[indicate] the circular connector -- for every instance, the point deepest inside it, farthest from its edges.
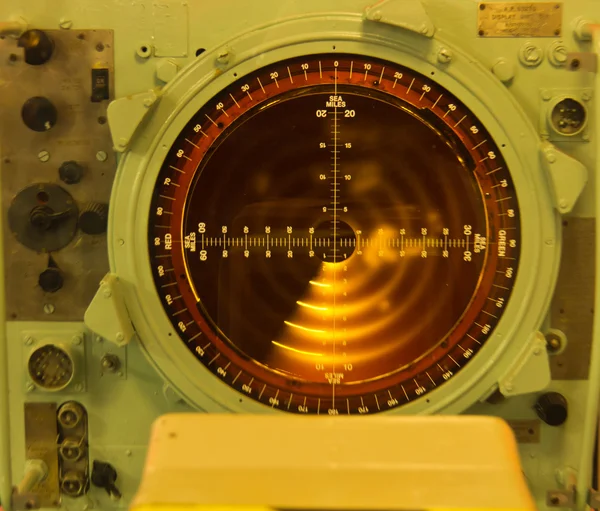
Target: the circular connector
(70, 414)
(568, 116)
(70, 449)
(72, 483)
(51, 367)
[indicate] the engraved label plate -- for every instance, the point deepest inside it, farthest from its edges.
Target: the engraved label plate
(520, 19)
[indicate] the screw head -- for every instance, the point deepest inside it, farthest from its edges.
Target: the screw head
(76, 340)
(107, 293)
(444, 56)
(28, 340)
(44, 156)
(30, 387)
(101, 156)
(120, 336)
(223, 57)
(78, 387)
(49, 308)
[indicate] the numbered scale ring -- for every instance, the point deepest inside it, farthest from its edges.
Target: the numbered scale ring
(334, 233)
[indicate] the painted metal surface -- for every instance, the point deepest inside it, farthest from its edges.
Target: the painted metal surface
(237, 39)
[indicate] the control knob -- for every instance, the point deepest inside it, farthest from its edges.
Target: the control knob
(552, 408)
(94, 218)
(37, 45)
(70, 172)
(51, 280)
(39, 114)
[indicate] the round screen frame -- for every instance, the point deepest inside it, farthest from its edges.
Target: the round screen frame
(197, 84)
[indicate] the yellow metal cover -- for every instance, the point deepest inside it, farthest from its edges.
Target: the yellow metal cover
(255, 463)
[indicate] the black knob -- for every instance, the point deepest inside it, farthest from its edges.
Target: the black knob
(37, 45)
(104, 476)
(70, 172)
(39, 114)
(94, 218)
(51, 280)
(552, 408)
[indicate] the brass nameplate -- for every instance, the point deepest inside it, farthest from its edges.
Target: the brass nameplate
(520, 19)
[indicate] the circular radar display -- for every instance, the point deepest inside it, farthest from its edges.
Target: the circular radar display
(334, 234)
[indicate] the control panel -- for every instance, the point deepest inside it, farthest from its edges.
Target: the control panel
(330, 208)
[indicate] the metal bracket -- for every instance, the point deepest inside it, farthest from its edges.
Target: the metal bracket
(582, 61)
(407, 14)
(126, 114)
(593, 499)
(107, 315)
(568, 175)
(26, 501)
(566, 496)
(561, 498)
(531, 372)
